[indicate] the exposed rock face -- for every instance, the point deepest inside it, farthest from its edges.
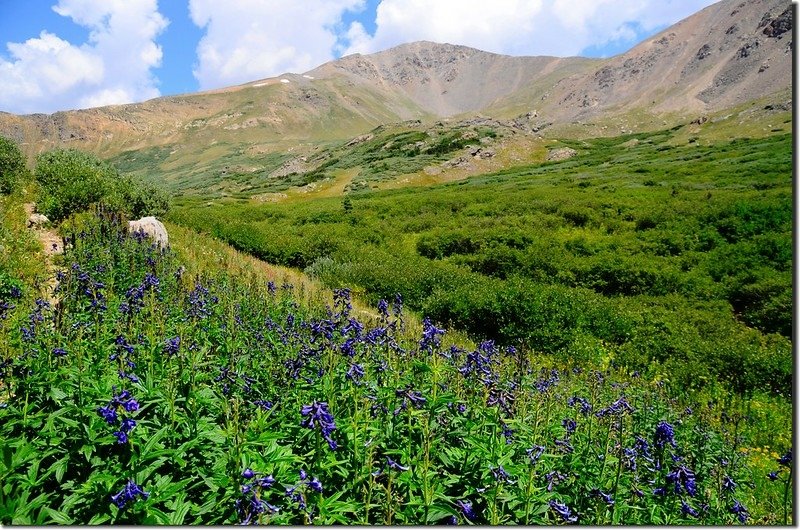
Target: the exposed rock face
(37, 220)
(562, 153)
(779, 25)
(151, 227)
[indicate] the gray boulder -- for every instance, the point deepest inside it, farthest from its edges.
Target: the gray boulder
(151, 227)
(37, 220)
(562, 153)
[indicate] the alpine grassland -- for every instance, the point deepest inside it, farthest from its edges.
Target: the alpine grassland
(601, 340)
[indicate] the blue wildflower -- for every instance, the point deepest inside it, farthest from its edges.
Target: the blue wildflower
(607, 498)
(688, 510)
(728, 484)
(171, 346)
(395, 465)
(128, 494)
(664, 434)
(563, 511)
(466, 508)
(740, 511)
(317, 413)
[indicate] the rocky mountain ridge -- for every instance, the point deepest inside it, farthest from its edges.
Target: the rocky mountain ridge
(728, 53)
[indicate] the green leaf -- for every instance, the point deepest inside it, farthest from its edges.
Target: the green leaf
(181, 510)
(87, 451)
(58, 517)
(156, 517)
(99, 518)
(60, 468)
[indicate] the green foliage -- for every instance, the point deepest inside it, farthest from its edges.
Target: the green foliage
(528, 256)
(155, 396)
(72, 181)
(13, 172)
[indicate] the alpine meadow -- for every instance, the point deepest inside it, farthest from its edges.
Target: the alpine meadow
(429, 285)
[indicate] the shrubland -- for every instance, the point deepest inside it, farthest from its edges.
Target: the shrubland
(670, 259)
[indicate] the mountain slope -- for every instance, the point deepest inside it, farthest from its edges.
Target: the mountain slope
(727, 54)
(445, 79)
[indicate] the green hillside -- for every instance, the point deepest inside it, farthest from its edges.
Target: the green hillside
(653, 255)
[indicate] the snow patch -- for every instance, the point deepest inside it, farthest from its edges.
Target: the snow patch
(285, 80)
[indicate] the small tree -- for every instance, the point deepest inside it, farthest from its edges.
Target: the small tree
(12, 166)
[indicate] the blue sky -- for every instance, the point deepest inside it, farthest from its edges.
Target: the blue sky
(66, 54)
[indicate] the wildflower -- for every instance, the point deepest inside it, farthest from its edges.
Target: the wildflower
(431, 336)
(171, 346)
(383, 308)
(728, 484)
(501, 475)
(740, 511)
(59, 352)
(108, 413)
(127, 425)
(688, 510)
(248, 473)
(317, 413)
(630, 458)
(395, 465)
(128, 494)
(773, 476)
(569, 425)
(586, 407)
(565, 445)
(664, 434)
(553, 478)
(563, 511)
(508, 433)
(620, 406)
(466, 508)
(534, 453)
(122, 437)
(786, 460)
(684, 477)
(355, 372)
(265, 482)
(607, 498)
(397, 305)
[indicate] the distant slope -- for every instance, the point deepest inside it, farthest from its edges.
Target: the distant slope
(444, 79)
(230, 139)
(726, 54)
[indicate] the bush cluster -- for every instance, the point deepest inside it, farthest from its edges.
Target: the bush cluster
(72, 181)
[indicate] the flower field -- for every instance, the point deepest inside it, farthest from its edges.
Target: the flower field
(143, 394)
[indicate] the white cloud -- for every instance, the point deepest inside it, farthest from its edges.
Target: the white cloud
(518, 27)
(48, 73)
(251, 39)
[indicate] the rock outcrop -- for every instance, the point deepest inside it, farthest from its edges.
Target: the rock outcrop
(563, 153)
(37, 220)
(151, 227)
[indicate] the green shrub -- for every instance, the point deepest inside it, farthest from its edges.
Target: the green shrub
(72, 181)
(12, 167)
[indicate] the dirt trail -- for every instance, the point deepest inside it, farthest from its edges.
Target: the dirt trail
(52, 245)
